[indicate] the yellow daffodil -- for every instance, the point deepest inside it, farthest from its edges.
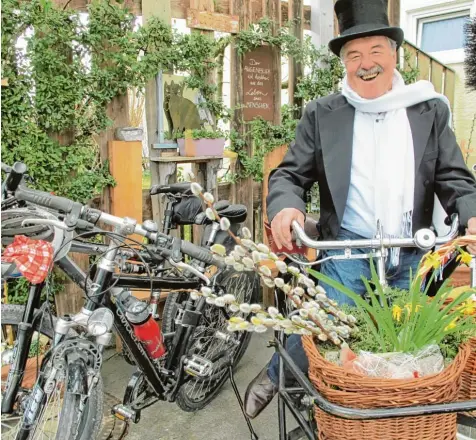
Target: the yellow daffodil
(464, 257)
(451, 325)
(408, 308)
(469, 307)
(397, 313)
(432, 261)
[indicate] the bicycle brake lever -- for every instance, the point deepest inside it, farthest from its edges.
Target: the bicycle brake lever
(45, 221)
(185, 266)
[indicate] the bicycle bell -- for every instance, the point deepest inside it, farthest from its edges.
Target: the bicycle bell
(425, 238)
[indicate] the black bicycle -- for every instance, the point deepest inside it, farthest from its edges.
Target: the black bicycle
(66, 401)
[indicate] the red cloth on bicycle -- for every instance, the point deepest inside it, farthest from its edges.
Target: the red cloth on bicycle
(33, 258)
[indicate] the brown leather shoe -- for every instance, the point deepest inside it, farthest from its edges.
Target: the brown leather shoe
(259, 393)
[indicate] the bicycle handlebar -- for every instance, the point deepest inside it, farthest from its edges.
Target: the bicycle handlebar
(91, 215)
(423, 239)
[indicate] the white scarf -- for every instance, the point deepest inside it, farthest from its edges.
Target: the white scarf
(395, 162)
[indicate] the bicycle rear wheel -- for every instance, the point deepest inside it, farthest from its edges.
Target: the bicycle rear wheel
(199, 392)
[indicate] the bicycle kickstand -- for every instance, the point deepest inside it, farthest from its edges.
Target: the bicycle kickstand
(240, 402)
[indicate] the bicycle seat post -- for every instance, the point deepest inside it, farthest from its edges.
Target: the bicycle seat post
(167, 221)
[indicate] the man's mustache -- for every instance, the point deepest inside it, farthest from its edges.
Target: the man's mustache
(372, 71)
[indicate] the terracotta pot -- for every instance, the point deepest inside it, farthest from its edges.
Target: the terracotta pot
(461, 276)
(29, 377)
(201, 147)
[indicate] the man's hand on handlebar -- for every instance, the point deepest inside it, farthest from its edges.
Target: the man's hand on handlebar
(281, 226)
(471, 230)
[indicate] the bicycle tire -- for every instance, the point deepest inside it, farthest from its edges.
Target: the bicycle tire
(88, 427)
(184, 397)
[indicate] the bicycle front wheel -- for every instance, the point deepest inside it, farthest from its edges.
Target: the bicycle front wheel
(63, 415)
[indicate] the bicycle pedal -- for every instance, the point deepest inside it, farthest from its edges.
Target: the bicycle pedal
(198, 366)
(125, 413)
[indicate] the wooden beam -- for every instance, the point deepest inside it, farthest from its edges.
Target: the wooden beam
(82, 5)
(179, 10)
(212, 21)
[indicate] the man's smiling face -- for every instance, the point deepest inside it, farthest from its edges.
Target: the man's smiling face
(369, 63)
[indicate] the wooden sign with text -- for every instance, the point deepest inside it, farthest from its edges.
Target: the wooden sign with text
(212, 21)
(258, 84)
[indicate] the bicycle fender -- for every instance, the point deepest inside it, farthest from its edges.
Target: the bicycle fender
(77, 378)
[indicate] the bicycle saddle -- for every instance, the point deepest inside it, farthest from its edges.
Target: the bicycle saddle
(234, 213)
(173, 188)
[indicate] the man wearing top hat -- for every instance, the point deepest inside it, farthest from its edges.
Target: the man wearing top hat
(380, 150)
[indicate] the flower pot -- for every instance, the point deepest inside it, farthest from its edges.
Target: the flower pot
(29, 378)
(201, 147)
(358, 391)
(461, 276)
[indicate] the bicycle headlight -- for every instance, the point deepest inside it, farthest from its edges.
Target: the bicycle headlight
(100, 322)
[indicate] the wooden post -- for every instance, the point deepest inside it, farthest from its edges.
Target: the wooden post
(296, 14)
(243, 188)
(394, 12)
(72, 298)
(271, 9)
(126, 196)
(208, 6)
(163, 10)
(118, 111)
(322, 22)
(336, 22)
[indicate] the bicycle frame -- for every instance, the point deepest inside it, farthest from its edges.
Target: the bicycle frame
(121, 324)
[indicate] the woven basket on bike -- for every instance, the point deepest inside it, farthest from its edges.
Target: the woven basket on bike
(468, 378)
(358, 391)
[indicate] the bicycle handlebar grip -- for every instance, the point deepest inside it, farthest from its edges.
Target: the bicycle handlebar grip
(15, 176)
(200, 254)
(47, 200)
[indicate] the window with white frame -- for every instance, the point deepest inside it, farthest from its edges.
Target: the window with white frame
(437, 26)
(442, 32)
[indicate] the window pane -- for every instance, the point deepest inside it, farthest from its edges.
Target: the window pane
(444, 34)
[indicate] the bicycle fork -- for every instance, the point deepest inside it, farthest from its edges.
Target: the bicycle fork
(21, 349)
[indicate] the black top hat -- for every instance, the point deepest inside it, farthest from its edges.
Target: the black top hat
(362, 18)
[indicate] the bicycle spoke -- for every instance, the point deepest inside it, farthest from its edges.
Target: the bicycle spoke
(207, 345)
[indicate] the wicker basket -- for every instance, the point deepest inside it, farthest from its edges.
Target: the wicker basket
(468, 378)
(358, 391)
